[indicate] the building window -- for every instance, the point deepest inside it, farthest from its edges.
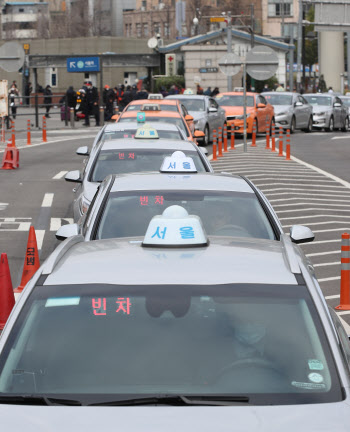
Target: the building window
(166, 30)
(145, 30)
(275, 8)
(156, 28)
(144, 4)
(138, 30)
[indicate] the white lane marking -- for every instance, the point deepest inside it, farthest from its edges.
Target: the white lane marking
(56, 223)
(313, 223)
(279, 175)
(298, 189)
(39, 238)
(3, 206)
(48, 199)
(345, 324)
(329, 279)
(322, 242)
(340, 195)
(344, 313)
(327, 174)
(60, 175)
(307, 183)
(308, 203)
(323, 253)
(292, 211)
(327, 264)
(331, 230)
(340, 137)
(282, 177)
(49, 142)
(17, 226)
(330, 297)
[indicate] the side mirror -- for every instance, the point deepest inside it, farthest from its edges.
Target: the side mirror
(261, 105)
(301, 234)
(188, 118)
(298, 104)
(212, 109)
(66, 231)
(115, 116)
(337, 105)
(199, 134)
(83, 151)
(73, 176)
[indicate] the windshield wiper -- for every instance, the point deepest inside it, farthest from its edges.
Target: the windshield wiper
(178, 400)
(36, 400)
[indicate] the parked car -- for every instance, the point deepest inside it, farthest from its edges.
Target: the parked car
(207, 114)
(292, 111)
(329, 112)
(259, 110)
(346, 102)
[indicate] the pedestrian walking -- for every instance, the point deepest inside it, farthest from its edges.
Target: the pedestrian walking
(14, 99)
(91, 105)
(215, 92)
(47, 100)
(126, 98)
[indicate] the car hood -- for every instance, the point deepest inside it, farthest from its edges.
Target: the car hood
(236, 110)
(320, 108)
(311, 418)
(281, 108)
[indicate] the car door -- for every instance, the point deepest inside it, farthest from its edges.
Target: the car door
(262, 113)
(301, 112)
(214, 119)
(337, 110)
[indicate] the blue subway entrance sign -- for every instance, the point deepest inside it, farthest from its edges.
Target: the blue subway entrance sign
(83, 64)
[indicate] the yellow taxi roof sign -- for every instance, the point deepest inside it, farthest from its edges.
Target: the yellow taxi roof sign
(146, 132)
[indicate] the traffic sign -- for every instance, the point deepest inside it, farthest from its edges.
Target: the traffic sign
(261, 62)
(11, 56)
(83, 64)
(170, 64)
(230, 64)
(217, 19)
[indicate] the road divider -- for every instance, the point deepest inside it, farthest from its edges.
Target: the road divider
(267, 135)
(214, 146)
(220, 142)
(254, 134)
(273, 138)
(280, 142)
(7, 297)
(44, 129)
(232, 138)
(29, 140)
(225, 138)
(344, 273)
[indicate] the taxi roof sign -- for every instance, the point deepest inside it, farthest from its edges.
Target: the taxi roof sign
(178, 162)
(188, 91)
(150, 107)
(175, 228)
(140, 117)
(146, 132)
(155, 96)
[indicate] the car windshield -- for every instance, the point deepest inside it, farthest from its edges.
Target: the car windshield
(130, 133)
(193, 104)
(96, 342)
(177, 121)
(318, 100)
(279, 99)
(235, 214)
(227, 100)
(134, 160)
(163, 107)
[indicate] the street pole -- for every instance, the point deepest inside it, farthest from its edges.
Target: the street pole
(348, 57)
(229, 47)
(300, 27)
(244, 108)
(291, 62)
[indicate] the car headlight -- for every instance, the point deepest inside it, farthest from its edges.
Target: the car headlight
(84, 205)
(241, 117)
(282, 113)
(321, 113)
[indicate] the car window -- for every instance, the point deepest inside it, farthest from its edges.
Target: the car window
(300, 99)
(129, 160)
(303, 100)
(213, 104)
(346, 101)
(163, 107)
(237, 100)
(184, 110)
(130, 133)
(173, 120)
(96, 341)
(222, 214)
(262, 99)
(337, 100)
(279, 99)
(319, 100)
(193, 104)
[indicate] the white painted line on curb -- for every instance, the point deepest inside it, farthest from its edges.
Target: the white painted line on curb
(39, 238)
(329, 279)
(327, 264)
(323, 253)
(332, 297)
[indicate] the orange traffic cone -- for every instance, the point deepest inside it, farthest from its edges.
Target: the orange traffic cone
(7, 298)
(10, 159)
(31, 260)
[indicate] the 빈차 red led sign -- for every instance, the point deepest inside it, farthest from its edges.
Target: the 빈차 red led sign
(99, 305)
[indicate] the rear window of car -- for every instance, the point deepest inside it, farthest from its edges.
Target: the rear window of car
(277, 99)
(233, 101)
(129, 160)
(318, 100)
(127, 214)
(95, 342)
(194, 104)
(177, 121)
(130, 133)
